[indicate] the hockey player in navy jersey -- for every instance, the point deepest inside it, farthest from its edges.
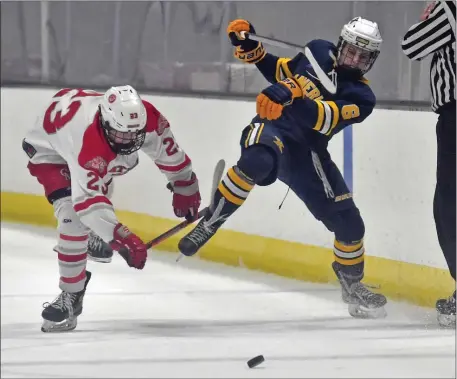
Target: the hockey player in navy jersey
(288, 139)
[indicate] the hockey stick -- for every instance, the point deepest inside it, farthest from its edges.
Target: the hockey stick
(217, 176)
(321, 75)
(175, 229)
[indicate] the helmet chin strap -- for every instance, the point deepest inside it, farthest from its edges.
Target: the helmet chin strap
(110, 143)
(349, 72)
(105, 131)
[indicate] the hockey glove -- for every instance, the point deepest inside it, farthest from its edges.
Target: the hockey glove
(186, 197)
(129, 246)
(272, 100)
(247, 50)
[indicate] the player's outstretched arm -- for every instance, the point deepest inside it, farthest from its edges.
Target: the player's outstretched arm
(161, 146)
(95, 210)
(433, 31)
(272, 67)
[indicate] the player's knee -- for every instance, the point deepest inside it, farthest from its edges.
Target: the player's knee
(352, 227)
(257, 162)
(347, 225)
(68, 222)
(55, 179)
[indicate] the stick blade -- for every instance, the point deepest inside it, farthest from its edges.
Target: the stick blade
(323, 78)
(217, 177)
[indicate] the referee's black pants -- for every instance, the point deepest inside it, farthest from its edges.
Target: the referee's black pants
(444, 205)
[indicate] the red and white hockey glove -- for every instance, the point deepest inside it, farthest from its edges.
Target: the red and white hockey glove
(129, 246)
(186, 197)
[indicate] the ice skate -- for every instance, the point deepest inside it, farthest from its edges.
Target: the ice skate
(202, 233)
(98, 250)
(362, 303)
(446, 312)
(62, 314)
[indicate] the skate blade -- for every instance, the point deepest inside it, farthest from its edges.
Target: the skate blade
(359, 311)
(99, 260)
(58, 327)
(446, 321)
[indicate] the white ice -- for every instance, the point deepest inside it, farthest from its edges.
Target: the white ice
(201, 319)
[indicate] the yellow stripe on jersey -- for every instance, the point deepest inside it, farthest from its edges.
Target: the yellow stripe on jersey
(282, 68)
(235, 178)
(285, 67)
(320, 116)
(335, 116)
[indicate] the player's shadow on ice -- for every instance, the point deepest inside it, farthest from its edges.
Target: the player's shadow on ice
(150, 328)
(276, 282)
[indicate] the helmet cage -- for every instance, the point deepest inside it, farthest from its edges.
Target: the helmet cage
(122, 143)
(347, 52)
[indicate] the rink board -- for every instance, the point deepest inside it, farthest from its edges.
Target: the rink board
(399, 280)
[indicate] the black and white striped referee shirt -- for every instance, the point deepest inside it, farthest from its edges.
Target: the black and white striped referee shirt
(436, 35)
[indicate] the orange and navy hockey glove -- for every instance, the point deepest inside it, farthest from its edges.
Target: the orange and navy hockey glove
(272, 100)
(247, 50)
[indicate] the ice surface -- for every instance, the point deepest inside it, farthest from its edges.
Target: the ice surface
(201, 319)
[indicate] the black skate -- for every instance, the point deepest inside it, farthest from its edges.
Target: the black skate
(362, 303)
(202, 233)
(98, 250)
(61, 315)
(446, 312)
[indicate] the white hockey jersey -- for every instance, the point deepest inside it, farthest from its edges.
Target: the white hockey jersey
(69, 133)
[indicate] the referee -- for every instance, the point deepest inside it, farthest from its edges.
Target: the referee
(435, 34)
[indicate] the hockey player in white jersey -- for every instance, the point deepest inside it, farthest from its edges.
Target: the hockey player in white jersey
(76, 147)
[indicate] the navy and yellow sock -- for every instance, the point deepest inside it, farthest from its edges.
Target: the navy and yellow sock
(350, 259)
(234, 188)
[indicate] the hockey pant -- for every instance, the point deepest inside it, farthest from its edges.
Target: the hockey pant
(267, 156)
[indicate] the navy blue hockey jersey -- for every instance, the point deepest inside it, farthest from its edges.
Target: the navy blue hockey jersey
(318, 115)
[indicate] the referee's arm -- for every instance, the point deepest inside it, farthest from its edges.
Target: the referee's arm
(431, 34)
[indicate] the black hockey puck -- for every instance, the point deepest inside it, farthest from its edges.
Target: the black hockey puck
(255, 361)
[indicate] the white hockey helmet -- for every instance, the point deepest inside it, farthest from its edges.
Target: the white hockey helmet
(123, 119)
(359, 45)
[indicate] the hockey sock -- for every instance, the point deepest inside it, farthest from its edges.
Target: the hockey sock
(349, 258)
(233, 190)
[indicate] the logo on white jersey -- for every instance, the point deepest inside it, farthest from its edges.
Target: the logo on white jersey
(65, 172)
(162, 124)
(98, 163)
(119, 170)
